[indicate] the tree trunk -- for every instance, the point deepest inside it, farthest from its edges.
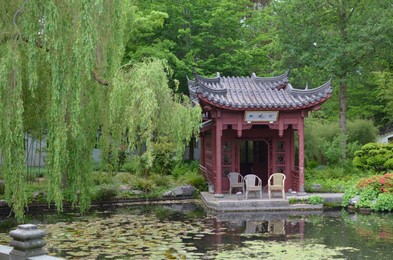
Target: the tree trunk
(191, 150)
(343, 116)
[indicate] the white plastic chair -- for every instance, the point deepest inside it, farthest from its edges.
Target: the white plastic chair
(253, 184)
(236, 180)
(276, 182)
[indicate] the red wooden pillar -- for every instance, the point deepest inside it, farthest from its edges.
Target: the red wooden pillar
(300, 132)
(291, 158)
(202, 149)
(218, 190)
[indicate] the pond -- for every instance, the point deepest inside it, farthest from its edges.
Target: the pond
(186, 231)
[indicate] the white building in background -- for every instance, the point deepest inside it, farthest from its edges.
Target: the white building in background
(35, 152)
(385, 138)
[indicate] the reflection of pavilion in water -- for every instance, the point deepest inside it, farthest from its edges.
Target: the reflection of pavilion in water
(256, 226)
(274, 227)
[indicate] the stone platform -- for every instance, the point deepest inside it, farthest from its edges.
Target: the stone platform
(238, 203)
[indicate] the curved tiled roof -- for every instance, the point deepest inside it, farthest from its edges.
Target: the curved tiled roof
(262, 93)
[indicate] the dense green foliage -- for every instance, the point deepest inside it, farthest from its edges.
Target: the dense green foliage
(375, 157)
(322, 140)
(130, 183)
(341, 39)
(331, 179)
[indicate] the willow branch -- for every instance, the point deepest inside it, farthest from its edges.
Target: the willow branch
(97, 78)
(18, 12)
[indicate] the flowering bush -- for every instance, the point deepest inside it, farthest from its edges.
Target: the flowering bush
(374, 192)
(379, 183)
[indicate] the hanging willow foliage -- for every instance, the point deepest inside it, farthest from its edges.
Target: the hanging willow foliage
(151, 110)
(56, 58)
(11, 128)
(60, 64)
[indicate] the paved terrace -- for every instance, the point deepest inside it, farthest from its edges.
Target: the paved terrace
(238, 203)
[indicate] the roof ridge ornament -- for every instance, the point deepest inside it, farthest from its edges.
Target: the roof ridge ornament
(283, 78)
(210, 85)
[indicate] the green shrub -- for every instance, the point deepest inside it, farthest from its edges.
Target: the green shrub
(189, 174)
(332, 150)
(161, 181)
(104, 192)
(373, 156)
(315, 133)
(125, 178)
(389, 164)
(367, 198)
(198, 182)
(323, 140)
(163, 152)
(384, 202)
(312, 164)
(374, 192)
(182, 169)
(331, 179)
(144, 184)
(130, 166)
(102, 178)
(361, 131)
(350, 193)
(315, 200)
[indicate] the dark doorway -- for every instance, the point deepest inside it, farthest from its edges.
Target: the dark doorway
(254, 159)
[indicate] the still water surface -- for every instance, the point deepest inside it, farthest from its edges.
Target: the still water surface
(187, 232)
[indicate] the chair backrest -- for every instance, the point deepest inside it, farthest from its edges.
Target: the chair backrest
(278, 179)
(235, 177)
(252, 180)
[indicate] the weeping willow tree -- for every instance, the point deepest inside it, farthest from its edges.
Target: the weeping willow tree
(60, 64)
(57, 62)
(151, 110)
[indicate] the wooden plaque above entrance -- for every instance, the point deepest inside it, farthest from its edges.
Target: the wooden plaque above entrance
(260, 116)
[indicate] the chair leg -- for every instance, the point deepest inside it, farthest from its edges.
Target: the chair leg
(270, 195)
(230, 190)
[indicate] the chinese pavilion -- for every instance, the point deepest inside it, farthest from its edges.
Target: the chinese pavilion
(249, 126)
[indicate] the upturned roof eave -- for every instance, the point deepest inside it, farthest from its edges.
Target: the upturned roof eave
(326, 86)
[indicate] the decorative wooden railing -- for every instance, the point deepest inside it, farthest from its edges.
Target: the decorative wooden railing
(295, 178)
(207, 173)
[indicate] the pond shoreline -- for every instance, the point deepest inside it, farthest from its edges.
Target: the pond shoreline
(41, 208)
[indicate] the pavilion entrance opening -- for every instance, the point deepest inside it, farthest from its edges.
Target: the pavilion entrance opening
(254, 158)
